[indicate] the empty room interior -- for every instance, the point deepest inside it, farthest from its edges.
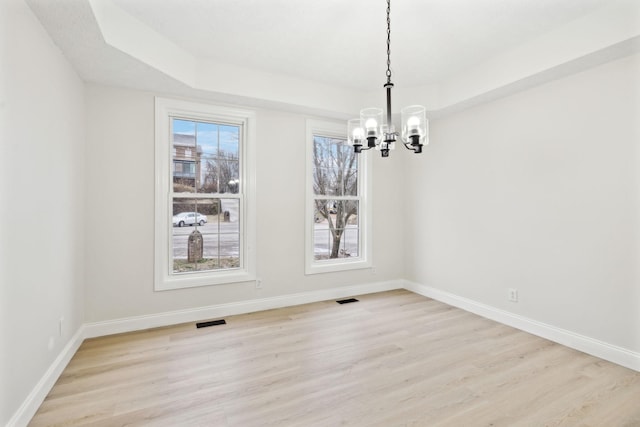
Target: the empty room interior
(320, 213)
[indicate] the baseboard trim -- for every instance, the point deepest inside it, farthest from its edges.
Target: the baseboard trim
(30, 406)
(136, 323)
(601, 349)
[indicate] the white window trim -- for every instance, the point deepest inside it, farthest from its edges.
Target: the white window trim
(364, 260)
(163, 278)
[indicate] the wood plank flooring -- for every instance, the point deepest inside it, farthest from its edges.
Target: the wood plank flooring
(391, 359)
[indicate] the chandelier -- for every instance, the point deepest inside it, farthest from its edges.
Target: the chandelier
(369, 131)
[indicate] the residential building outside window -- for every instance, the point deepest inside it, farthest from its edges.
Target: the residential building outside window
(338, 202)
(204, 199)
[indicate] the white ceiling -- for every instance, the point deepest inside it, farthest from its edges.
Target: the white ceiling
(343, 42)
(335, 42)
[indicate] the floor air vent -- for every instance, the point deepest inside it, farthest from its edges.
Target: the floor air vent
(346, 301)
(211, 323)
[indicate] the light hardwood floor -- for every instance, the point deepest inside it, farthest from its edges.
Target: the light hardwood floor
(392, 359)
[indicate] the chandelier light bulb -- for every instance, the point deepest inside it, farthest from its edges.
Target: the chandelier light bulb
(415, 125)
(355, 134)
(371, 118)
(413, 122)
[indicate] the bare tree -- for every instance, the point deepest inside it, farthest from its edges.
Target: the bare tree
(210, 182)
(220, 173)
(335, 174)
(229, 170)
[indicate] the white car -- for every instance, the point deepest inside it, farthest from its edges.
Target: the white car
(188, 218)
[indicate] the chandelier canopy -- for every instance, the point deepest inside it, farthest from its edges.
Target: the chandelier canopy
(369, 131)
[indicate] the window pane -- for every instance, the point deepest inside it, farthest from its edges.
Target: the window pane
(229, 137)
(191, 222)
(229, 233)
(205, 157)
(335, 229)
(220, 158)
(321, 241)
(208, 143)
(229, 250)
(209, 174)
(229, 218)
(184, 156)
(217, 223)
(350, 241)
(221, 175)
(229, 173)
(334, 167)
(350, 180)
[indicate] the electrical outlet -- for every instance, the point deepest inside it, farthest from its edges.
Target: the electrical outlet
(258, 283)
(513, 295)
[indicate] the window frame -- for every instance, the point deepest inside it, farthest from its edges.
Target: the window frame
(165, 110)
(364, 258)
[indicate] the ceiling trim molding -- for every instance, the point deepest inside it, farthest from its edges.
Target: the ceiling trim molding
(606, 34)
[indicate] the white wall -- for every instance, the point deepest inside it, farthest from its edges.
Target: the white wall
(120, 231)
(41, 244)
(540, 192)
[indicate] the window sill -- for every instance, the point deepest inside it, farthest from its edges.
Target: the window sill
(192, 280)
(335, 266)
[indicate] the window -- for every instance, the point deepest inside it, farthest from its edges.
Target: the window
(204, 198)
(338, 207)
